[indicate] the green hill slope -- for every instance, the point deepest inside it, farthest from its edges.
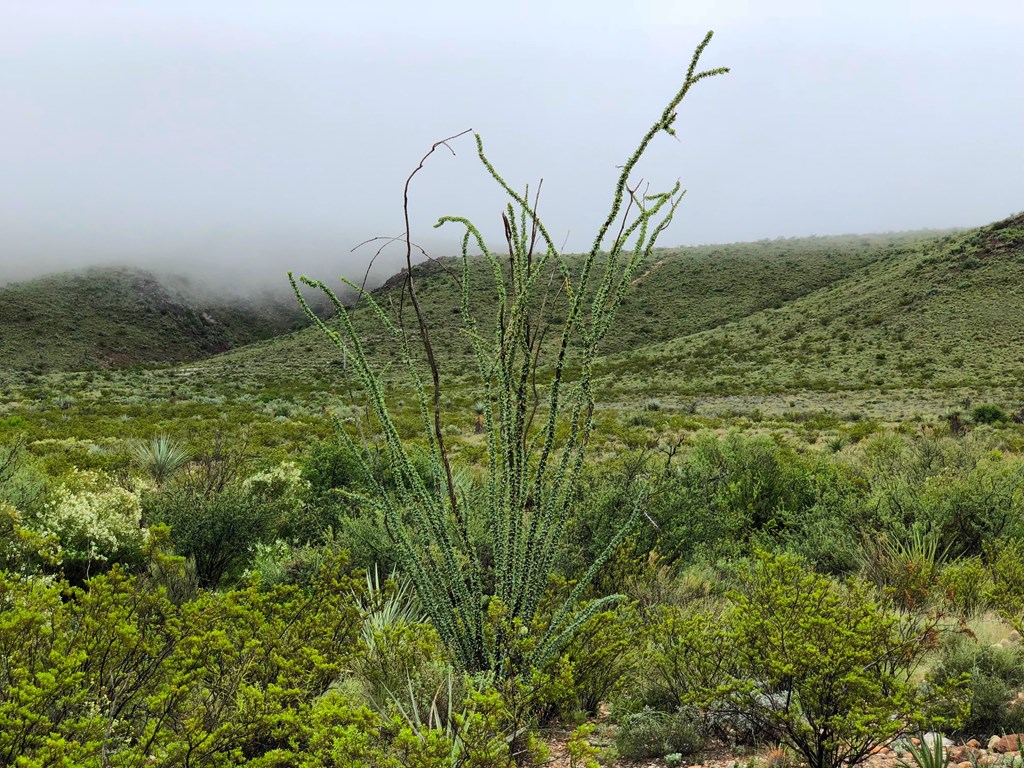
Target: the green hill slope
(941, 315)
(119, 317)
(677, 293)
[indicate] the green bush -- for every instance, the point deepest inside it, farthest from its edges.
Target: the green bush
(819, 665)
(727, 493)
(996, 675)
(965, 586)
(219, 525)
(989, 413)
(603, 656)
(1006, 564)
(652, 734)
(686, 658)
(113, 673)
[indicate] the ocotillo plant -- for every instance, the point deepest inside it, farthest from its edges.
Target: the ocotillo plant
(532, 471)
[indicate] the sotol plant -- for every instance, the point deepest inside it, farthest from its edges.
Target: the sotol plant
(535, 442)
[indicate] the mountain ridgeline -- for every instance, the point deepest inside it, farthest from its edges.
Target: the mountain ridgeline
(122, 317)
(678, 294)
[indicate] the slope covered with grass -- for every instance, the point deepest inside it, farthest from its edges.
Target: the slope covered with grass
(121, 317)
(939, 314)
(678, 292)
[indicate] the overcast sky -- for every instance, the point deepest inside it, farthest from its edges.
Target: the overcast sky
(253, 137)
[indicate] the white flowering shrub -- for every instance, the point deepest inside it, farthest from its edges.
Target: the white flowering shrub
(96, 522)
(284, 481)
(284, 488)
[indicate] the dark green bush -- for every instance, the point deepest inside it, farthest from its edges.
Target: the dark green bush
(1006, 564)
(219, 526)
(989, 413)
(965, 586)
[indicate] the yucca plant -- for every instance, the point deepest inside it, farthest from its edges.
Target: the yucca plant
(536, 434)
(382, 608)
(161, 457)
(909, 567)
(930, 753)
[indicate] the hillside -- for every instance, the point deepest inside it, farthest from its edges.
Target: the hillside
(941, 315)
(120, 317)
(677, 293)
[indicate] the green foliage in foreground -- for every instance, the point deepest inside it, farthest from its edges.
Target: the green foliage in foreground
(802, 660)
(115, 674)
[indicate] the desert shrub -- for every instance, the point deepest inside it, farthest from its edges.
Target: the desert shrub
(96, 523)
(825, 535)
(603, 655)
(23, 549)
(687, 657)
(652, 734)
(219, 525)
(282, 562)
(22, 484)
(1006, 564)
(115, 674)
(969, 506)
(965, 586)
(219, 531)
(995, 675)
(819, 665)
(660, 585)
(989, 413)
(729, 492)
(282, 487)
(330, 468)
(336, 731)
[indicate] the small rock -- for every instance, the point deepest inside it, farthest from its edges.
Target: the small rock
(974, 744)
(992, 743)
(916, 742)
(1010, 743)
(957, 754)
(964, 764)
(930, 737)
(1014, 637)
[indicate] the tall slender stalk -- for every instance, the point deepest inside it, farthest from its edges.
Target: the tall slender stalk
(533, 473)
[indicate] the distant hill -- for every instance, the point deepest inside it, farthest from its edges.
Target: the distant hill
(121, 317)
(942, 314)
(677, 293)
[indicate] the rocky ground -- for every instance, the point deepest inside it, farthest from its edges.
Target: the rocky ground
(1002, 751)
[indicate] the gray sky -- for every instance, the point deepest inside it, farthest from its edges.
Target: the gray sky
(258, 136)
